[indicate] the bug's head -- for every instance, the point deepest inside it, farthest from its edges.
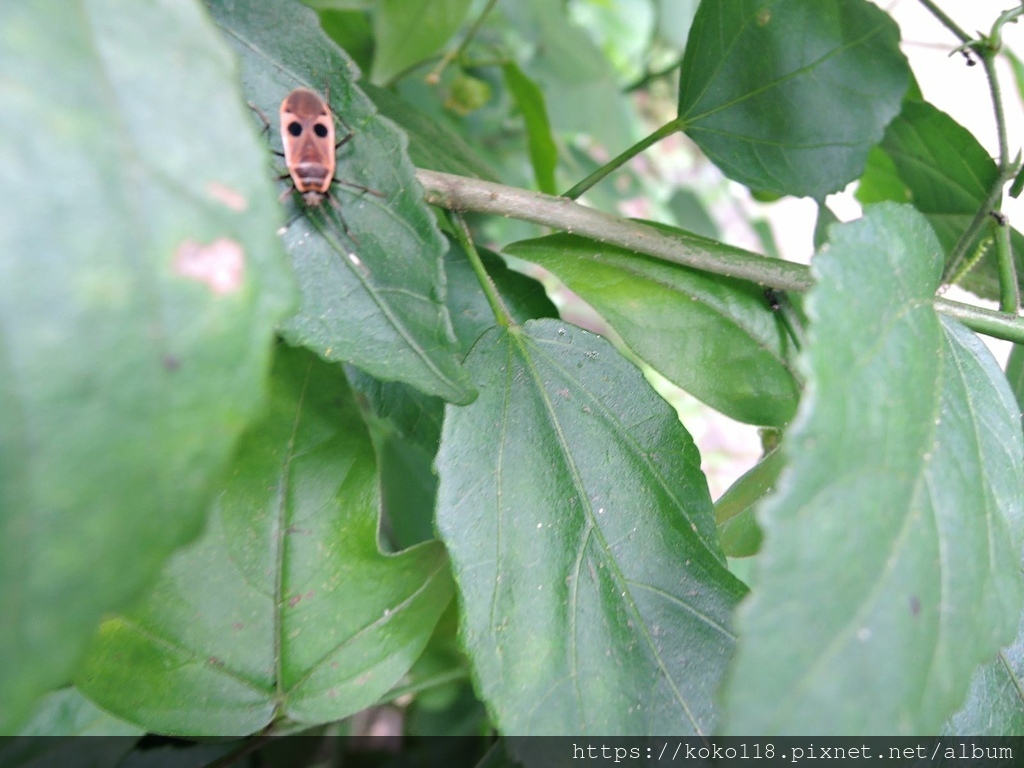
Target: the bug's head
(305, 117)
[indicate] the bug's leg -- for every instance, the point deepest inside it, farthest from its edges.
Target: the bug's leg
(341, 217)
(374, 192)
(262, 117)
(266, 124)
(349, 133)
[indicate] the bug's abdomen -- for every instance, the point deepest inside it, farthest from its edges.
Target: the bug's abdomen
(311, 176)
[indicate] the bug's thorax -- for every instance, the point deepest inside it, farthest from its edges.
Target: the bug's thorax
(307, 134)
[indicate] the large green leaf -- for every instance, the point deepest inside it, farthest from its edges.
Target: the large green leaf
(890, 563)
(285, 608)
(405, 425)
(409, 31)
(375, 299)
(140, 284)
(594, 593)
(995, 701)
(946, 174)
(788, 96)
(715, 337)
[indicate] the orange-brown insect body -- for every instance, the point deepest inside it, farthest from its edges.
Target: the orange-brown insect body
(307, 134)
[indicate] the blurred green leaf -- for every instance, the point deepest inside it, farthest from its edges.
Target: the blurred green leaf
(340, 5)
(135, 321)
(352, 31)
(713, 336)
(530, 100)
(893, 539)
(594, 593)
(285, 608)
(789, 96)
(375, 299)
(674, 19)
(581, 90)
(690, 214)
(432, 144)
(67, 712)
(1017, 66)
(410, 31)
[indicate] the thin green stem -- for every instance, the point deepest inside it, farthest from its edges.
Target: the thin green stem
(986, 49)
(998, 324)
(435, 73)
(947, 22)
(956, 256)
(650, 76)
(459, 193)
(995, 37)
(462, 234)
(989, 60)
(1009, 288)
(666, 130)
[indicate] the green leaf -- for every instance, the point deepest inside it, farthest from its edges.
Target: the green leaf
(788, 96)
(432, 144)
(67, 712)
(1015, 372)
(948, 174)
(825, 219)
(674, 18)
(594, 593)
(530, 100)
(713, 336)
(995, 701)
(351, 30)
(690, 214)
(734, 511)
(375, 298)
(285, 608)
(136, 316)
(410, 31)
(881, 180)
(405, 426)
(890, 563)
(940, 161)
